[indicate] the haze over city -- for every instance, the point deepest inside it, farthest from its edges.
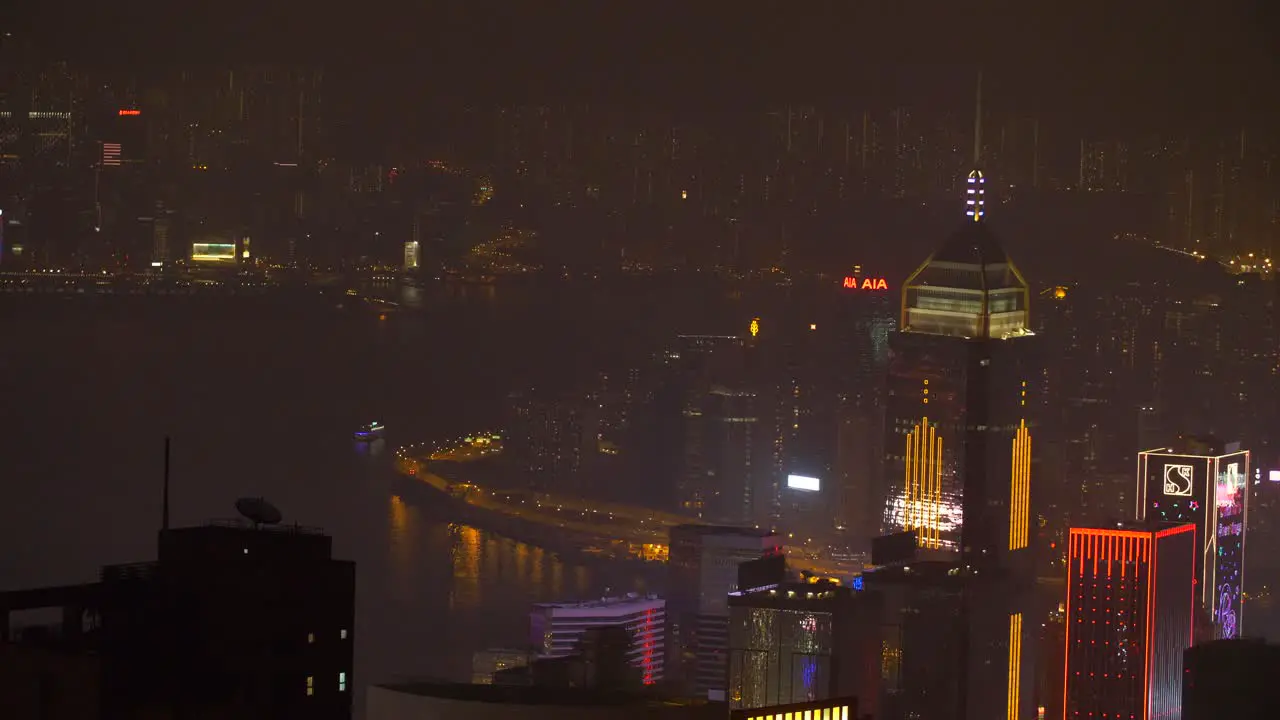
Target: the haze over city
(533, 360)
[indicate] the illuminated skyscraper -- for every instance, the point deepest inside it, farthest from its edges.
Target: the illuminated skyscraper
(958, 445)
(1129, 612)
(958, 436)
(1204, 483)
(412, 255)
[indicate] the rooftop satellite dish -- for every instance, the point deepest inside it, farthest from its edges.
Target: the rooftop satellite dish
(258, 511)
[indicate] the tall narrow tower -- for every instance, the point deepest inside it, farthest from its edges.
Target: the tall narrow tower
(958, 445)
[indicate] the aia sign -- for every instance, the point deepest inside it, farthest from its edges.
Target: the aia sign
(853, 283)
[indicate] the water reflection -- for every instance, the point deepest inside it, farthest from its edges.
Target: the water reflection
(466, 567)
(403, 524)
(372, 448)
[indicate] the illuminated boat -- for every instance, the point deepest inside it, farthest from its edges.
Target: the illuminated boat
(370, 432)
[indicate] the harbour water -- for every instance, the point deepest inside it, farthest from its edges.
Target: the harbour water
(260, 397)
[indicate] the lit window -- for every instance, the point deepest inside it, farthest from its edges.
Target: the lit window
(343, 635)
(311, 637)
(342, 682)
(311, 685)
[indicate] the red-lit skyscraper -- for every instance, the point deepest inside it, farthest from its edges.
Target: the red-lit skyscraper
(1130, 600)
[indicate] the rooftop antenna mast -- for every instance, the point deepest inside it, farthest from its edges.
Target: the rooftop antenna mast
(974, 200)
(164, 518)
(977, 126)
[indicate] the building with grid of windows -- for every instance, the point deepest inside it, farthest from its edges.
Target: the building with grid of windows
(1129, 613)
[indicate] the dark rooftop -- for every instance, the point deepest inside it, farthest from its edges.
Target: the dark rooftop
(972, 243)
(524, 694)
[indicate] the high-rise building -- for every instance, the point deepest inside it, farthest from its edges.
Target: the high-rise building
(1129, 614)
(412, 255)
(232, 620)
(553, 439)
(1203, 482)
(796, 642)
(958, 431)
(1230, 679)
(557, 629)
(702, 569)
(958, 445)
(732, 445)
(921, 638)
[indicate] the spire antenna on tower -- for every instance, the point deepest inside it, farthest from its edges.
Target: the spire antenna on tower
(974, 199)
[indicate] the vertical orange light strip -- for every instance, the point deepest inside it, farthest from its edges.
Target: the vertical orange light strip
(909, 495)
(922, 485)
(937, 494)
(1020, 488)
(1148, 630)
(930, 509)
(1015, 667)
(1073, 545)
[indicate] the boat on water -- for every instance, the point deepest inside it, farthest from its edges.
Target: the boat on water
(369, 433)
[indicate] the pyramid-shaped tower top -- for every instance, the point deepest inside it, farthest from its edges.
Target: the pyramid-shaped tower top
(968, 288)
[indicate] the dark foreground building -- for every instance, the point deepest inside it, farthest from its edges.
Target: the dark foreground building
(233, 620)
(1231, 679)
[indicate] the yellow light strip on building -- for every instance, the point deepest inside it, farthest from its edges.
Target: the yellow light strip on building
(923, 485)
(1015, 666)
(1020, 488)
(833, 712)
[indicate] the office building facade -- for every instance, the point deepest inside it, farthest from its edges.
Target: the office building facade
(702, 570)
(959, 425)
(1129, 615)
(558, 629)
(800, 642)
(1205, 483)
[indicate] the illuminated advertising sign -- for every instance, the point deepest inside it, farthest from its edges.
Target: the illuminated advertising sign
(1210, 492)
(1177, 480)
(213, 252)
(804, 482)
(1274, 476)
(1231, 498)
(865, 283)
(129, 112)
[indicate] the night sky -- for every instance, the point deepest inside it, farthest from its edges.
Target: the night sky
(1174, 62)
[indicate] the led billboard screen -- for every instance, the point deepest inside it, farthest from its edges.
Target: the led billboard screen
(1230, 500)
(213, 252)
(804, 482)
(1211, 492)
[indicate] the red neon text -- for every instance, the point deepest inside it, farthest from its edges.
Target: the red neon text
(854, 283)
(130, 112)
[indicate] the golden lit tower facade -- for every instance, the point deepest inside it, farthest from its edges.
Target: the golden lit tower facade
(959, 448)
(961, 370)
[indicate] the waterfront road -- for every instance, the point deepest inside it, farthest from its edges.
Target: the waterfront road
(645, 529)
